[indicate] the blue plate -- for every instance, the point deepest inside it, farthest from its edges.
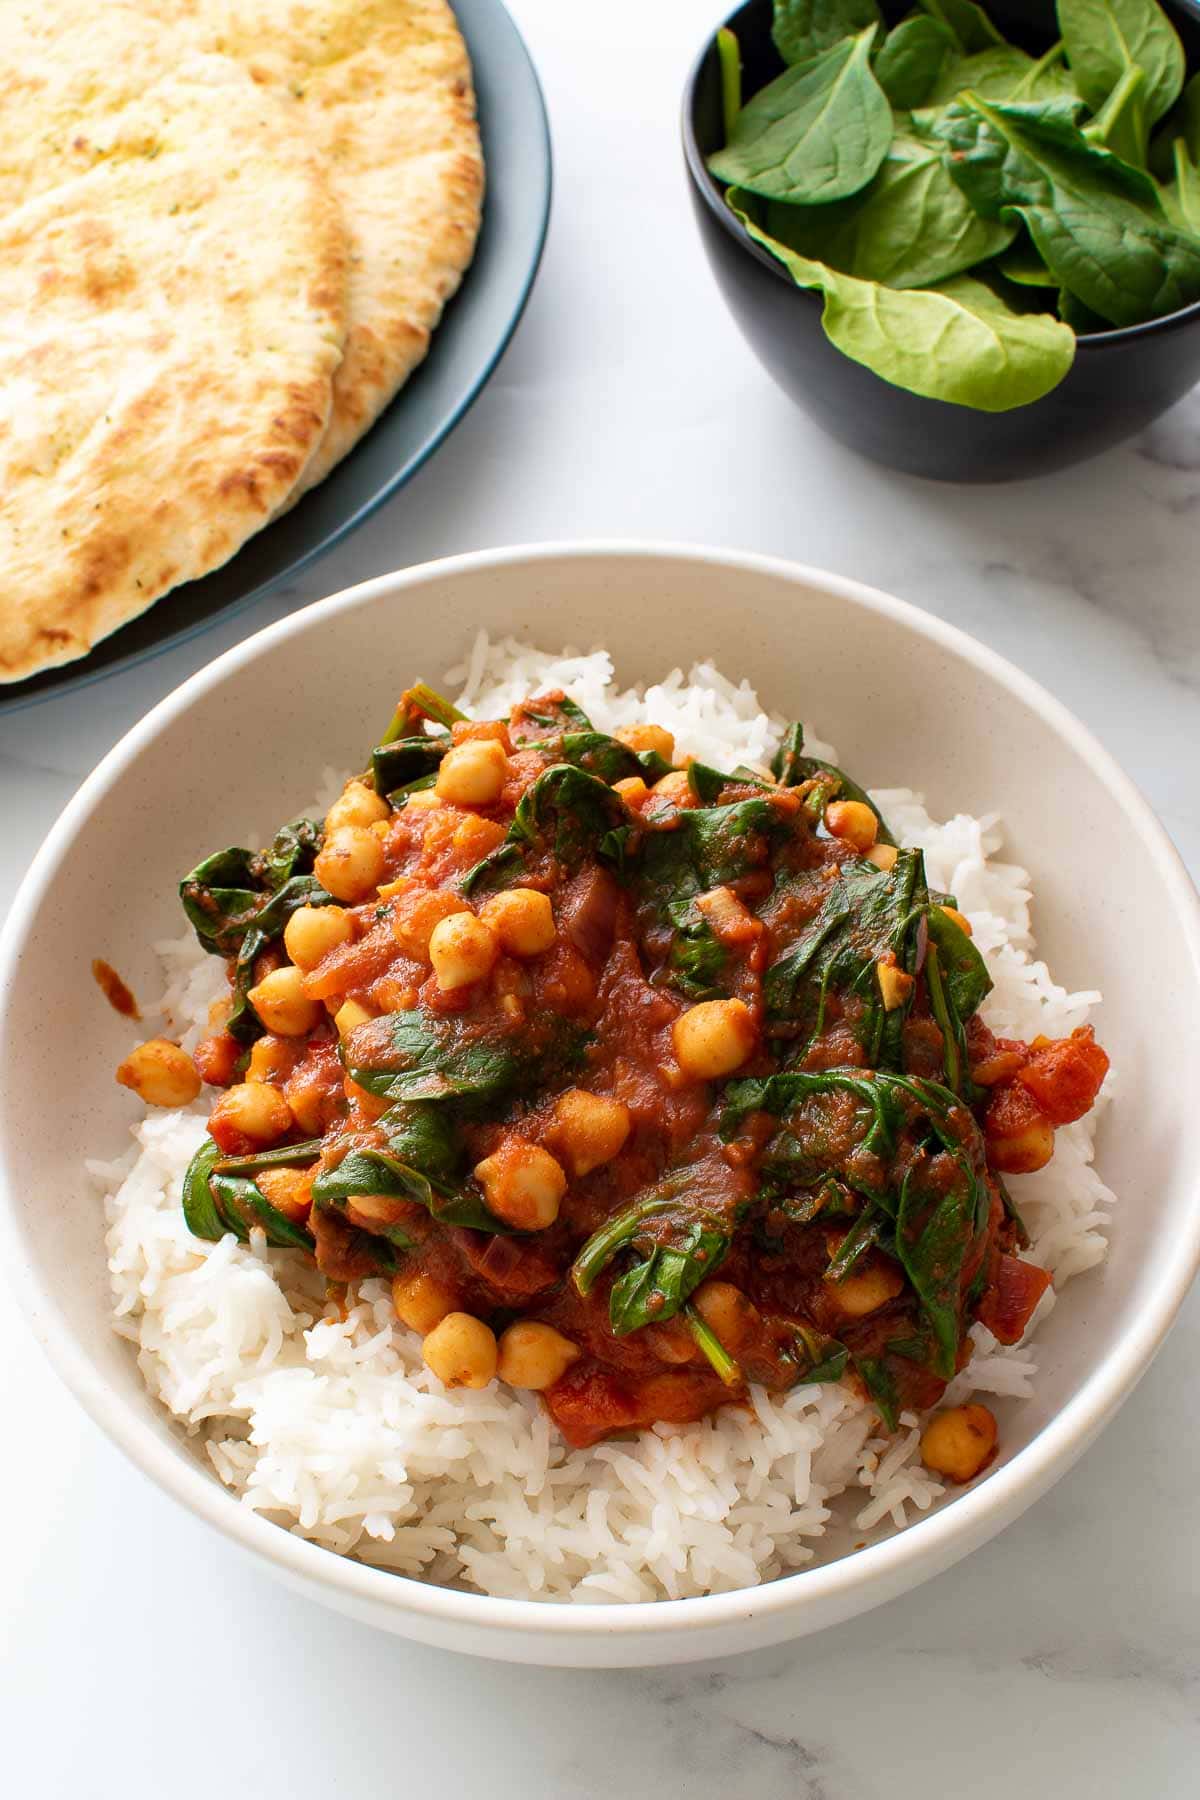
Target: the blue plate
(466, 347)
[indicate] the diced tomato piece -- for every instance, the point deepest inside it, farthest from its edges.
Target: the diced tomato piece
(1013, 1293)
(589, 1403)
(1065, 1077)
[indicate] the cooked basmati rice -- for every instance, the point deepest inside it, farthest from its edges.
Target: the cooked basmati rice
(333, 1427)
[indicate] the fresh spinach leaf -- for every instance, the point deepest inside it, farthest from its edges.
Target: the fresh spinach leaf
(1106, 38)
(1181, 196)
(817, 133)
(1183, 121)
(910, 228)
(1001, 74)
(1120, 125)
(912, 59)
(1022, 264)
(955, 342)
(968, 23)
(803, 28)
(1096, 221)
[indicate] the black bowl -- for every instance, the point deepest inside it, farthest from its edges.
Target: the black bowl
(1119, 382)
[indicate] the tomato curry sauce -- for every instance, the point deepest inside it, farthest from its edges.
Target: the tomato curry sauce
(641, 1083)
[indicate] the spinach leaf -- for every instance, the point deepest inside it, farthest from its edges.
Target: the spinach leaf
(1181, 197)
(881, 1386)
(1079, 317)
(1022, 264)
(818, 1358)
(216, 1201)
(697, 958)
(1120, 125)
(415, 1056)
(400, 762)
(1106, 38)
(416, 704)
(791, 766)
(1096, 221)
(935, 1226)
(911, 227)
(714, 1350)
(955, 342)
(803, 28)
(965, 973)
(729, 57)
(912, 59)
(867, 916)
(566, 813)
(1001, 74)
(968, 23)
(419, 1161)
(618, 1233)
(817, 133)
(534, 719)
(238, 902)
(608, 758)
(655, 1289)
(1183, 121)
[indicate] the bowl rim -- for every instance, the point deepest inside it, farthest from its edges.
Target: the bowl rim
(710, 193)
(926, 1546)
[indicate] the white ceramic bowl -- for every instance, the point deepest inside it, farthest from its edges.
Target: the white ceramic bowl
(906, 699)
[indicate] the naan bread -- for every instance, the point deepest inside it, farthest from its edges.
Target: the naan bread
(384, 93)
(170, 324)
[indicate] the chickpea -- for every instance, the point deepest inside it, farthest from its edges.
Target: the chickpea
(462, 949)
(632, 790)
(288, 1190)
(884, 856)
(252, 1109)
(589, 1129)
(895, 985)
(416, 913)
(648, 737)
(461, 1351)
(534, 1355)
(349, 1015)
(270, 1060)
(281, 1003)
(472, 774)
(674, 786)
(867, 1290)
(160, 1073)
(351, 863)
(522, 1184)
(713, 1038)
(958, 1442)
(726, 1311)
(522, 919)
(421, 1301)
(313, 931)
(217, 1058)
(959, 919)
(356, 805)
(312, 1104)
(854, 822)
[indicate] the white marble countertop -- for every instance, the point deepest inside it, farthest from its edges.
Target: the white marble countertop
(1062, 1659)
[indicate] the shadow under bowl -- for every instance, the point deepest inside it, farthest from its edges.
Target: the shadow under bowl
(1120, 381)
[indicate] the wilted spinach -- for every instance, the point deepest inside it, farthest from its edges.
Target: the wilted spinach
(238, 902)
(420, 1161)
(219, 1195)
(791, 765)
(417, 1056)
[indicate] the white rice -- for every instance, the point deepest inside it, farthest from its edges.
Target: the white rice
(334, 1428)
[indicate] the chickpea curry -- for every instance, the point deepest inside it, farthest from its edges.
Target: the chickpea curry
(640, 1082)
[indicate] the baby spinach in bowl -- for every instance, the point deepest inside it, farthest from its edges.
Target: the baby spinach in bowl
(1012, 282)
